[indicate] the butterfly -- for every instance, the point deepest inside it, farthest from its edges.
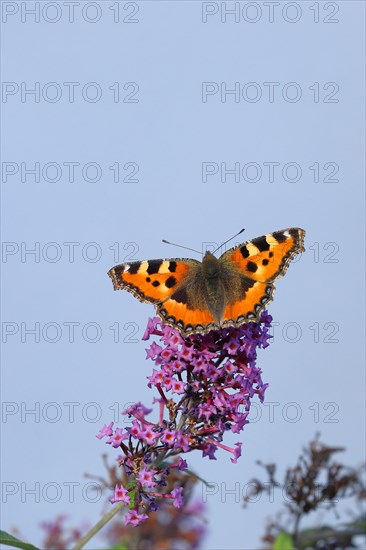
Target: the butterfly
(197, 297)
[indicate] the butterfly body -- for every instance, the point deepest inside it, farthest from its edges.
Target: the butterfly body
(218, 284)
(215, 287)
(196, 297)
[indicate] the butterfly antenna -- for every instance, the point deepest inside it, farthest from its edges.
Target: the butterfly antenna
(231, 238)
(180, 246)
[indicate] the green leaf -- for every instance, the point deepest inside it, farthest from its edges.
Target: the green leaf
(133, 499)
(283, 542)
(9, 540)
(132, 487)
(119, 546)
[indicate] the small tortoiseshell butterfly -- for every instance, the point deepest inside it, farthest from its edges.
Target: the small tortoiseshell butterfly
(196, 297)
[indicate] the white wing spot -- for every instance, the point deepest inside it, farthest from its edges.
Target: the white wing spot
(252, 249)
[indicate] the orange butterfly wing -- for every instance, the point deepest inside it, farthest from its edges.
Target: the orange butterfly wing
(188, 320)
(151, 281)
(266, 258)
(249, 307)
(168, 284)
(261, 261)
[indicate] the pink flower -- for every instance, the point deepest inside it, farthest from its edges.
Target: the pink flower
(186, 352)
(137, 408)
(146, 477)
(105, 431)
(181, 442)
(168, 437)
(177, 495)
(135, 430)
(167, 382)
(155, 378)
(206, 410)
(171, 337)
(149, 436)
(153, 351)
(151, 328)
(181, 464)
(237, 452)
(116, 439)
(178, 386)
(120, 495)
(134, 518)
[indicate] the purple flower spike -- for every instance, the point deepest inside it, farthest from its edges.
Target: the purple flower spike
(205, 385)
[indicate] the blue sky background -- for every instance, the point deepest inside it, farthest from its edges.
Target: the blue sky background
(315, 366)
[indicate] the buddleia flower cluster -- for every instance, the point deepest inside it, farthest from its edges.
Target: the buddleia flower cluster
(205, 384)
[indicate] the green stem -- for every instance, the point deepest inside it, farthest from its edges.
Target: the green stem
(116, 508)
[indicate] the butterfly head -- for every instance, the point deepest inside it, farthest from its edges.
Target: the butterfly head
(210, 265)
